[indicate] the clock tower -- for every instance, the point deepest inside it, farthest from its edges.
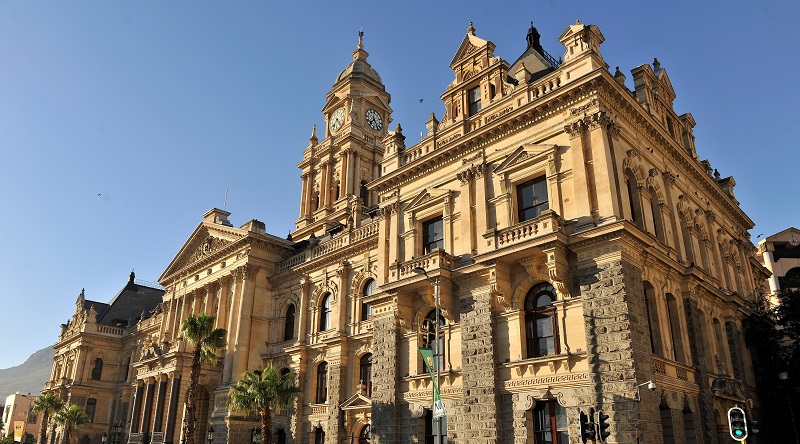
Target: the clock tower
(336, 170)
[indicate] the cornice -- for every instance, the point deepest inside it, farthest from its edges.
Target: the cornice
(512, 122)
(337, 256)
(627, 106)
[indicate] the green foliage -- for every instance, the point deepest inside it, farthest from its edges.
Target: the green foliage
(71, 419)
(29, 439)
(773, 337)
(263, 393)
(199, 330)
(47, 404)
(7, 440)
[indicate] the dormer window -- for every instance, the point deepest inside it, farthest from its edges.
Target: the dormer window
(474, 101)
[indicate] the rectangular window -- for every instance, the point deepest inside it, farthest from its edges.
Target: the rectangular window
(474, 101)
(532, 198)
(91, 405)
(432, 234)
(550, 423)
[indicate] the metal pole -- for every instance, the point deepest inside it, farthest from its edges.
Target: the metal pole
(438, 354)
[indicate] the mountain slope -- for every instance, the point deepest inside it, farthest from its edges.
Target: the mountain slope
(29, 377)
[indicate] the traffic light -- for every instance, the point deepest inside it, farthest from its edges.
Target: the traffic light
(737, 421)
(427, 334)
(587, 426)
(602, 426)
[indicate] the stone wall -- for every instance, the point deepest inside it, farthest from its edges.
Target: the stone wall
(707, 428)
(618, 342)
(477, 422)
(334, 432)
(384, 380)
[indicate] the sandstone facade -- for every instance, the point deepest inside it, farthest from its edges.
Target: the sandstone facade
(580, 245)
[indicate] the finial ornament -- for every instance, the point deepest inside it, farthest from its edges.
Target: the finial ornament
(656, 65)
(471, 29)
(361, 37)
(313, 134)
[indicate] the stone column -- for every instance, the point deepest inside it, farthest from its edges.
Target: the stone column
(172, 409)
(247, 296)
(384, 379)
(305, 284)
(344, 280)
(344, 186)
(601, 169)
(148, 406)
(336, 430)
(466, 200)
(158, 421)
(233, 315)
(324, 186)
(304, 197)
(581, 197)
(478, 421)
(137, 408)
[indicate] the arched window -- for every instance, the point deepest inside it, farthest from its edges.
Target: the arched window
(365, 374)
(675, 329)
(541, 327)
(658, 221)
(365, 435)
(688, 427)
(790, 280)
(97, 371)
(667, 428)
(363, 192)
(288, 326)
(650, 304)
(91, 406)
(281, 436)
(127, 367)
(322, 383)
(315, 201)
(432, 321)
(634, 201)
(369, 290)
(336, 190)
(722, 357)
(325, 313)
(319, 436)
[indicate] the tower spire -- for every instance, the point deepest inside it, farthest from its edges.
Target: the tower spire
(359, 53)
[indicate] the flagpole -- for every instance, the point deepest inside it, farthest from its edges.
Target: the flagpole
(438, 354)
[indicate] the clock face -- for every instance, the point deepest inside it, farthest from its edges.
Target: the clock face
(794, 241)
(374, 119)
(337, 119)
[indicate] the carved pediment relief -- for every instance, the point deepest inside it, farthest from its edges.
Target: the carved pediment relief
(426, 198)
(204, 242)
(357, 402)
(470, 45)
(524, 157)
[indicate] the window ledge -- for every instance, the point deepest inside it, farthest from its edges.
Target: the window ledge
(530, 366)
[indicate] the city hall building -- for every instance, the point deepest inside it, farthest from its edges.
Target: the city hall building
(579, 246)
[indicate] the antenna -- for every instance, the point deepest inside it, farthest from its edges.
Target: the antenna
(225, 204)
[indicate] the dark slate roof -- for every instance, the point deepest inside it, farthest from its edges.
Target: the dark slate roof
(129, 303)
(534, 62)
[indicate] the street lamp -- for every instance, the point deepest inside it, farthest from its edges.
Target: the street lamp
(210, 434)
(784, 376)
(436, 369)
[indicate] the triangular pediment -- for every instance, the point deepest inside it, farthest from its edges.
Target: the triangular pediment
(524, 155)
(206, 240)
(469, 45)
(784, 235)
(356, 402)
(426, 197)
(665, 85)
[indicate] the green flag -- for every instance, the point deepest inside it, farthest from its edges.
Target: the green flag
(438, 406)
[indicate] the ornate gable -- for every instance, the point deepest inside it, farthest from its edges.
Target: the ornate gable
(206, 241)
(524, 157)
(427, 198)
(357, 402)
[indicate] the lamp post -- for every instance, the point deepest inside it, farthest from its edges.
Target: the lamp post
(210, 434)
(784, 376)
(437, 427)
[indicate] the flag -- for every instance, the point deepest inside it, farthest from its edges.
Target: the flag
(438, 405)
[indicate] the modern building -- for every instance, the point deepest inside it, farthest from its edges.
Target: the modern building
(92, 362)
(582, 254)
(18, 419)
(780, 254)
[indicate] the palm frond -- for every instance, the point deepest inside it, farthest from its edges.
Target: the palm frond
(263, 392)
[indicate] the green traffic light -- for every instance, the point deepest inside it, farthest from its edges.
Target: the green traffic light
(738, 433)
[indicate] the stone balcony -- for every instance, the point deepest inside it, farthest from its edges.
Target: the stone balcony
(331, 246)
(547, 223)
(435, 260)
(674, 374)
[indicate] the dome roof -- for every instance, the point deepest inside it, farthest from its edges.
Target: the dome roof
(362, 68)
(359, 66)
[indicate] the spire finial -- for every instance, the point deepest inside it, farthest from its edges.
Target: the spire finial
(471, 29)
(313, 137)
(361, 37)
(359, 53)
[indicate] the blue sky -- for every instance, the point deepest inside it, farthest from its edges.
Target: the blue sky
(121, 123)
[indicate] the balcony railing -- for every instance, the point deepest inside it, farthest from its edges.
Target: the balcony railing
(438, 258)
(669, 369)
(545, 224)
(339, 242)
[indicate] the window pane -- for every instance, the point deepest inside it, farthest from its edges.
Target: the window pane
(547, 346)
(544, 327)
(532, 198)
(561, 417)
(544, 301)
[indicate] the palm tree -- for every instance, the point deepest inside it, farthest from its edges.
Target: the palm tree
(71, 419)
(200, 331)
(263, 394)
(46, 405)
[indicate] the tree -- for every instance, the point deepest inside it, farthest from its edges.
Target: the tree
(264, 394)
(71, 419)
(46, 405)
(200, 331)
(773, 337)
